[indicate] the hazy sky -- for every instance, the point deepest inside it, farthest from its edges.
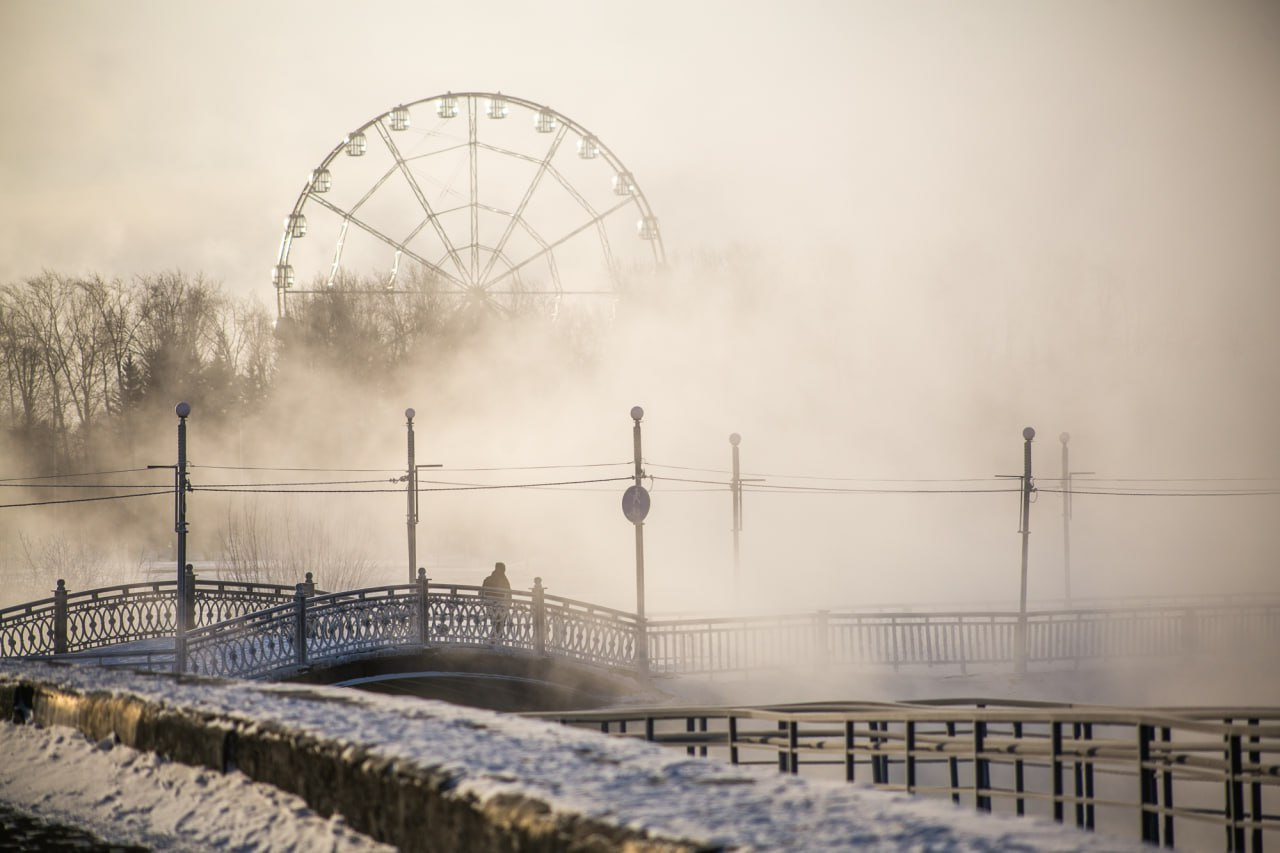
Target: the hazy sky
(959, 218)
(145, 135)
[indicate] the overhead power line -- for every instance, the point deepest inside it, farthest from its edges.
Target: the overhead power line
(88, 500)
(828, 478)
(21, 480)
(318, 470)
(439, 486)
(1153, 493)
(819, 490)
(7, 485)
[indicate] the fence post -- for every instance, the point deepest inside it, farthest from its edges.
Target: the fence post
(1055, 768)
(1190, 634)
(539, 618)
(300, 623)
(189, 591)
(1235, 812)
(981, 769)
(1147, 786)
(642, 647)
(823, 639)
(424, 614)
(60, 618)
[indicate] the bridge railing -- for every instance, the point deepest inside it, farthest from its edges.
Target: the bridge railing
(309, 629)
(953, 639)
(112, 615)
(1184, 775)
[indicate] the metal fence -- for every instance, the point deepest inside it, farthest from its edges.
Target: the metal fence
(311, 629)
(244, 629)
(1202, 777)
(955, 639)
(69, 622)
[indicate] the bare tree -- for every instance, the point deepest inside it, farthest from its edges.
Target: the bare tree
(272, 543)
(81, 563)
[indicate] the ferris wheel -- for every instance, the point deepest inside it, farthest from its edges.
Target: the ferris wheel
(482, 199)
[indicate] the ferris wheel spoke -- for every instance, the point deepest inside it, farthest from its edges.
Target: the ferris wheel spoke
(594, 221)
(554, 172)
(474, 187)
(422, 198)
(528, 194)
(483, 239)
(399, 247)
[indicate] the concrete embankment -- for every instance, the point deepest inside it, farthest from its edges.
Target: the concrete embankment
(431, 776)
(416, 805)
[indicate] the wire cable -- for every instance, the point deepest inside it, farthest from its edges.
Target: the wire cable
(88, 500)
(1234, 493)
(63, 476)
(819, 490)
(5, 485)
(439, 486)
(397, 470)
(829, 479)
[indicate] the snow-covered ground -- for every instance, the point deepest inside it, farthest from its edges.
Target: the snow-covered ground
(130, 797)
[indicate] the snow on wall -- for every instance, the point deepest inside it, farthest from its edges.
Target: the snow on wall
(429, 775)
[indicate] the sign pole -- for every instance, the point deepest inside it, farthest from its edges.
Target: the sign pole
(635, 506)
(1025, 529)
(411, 495)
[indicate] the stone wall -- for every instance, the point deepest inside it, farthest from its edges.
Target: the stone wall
(415, 807)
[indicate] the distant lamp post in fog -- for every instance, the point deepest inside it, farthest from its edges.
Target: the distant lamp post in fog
(1067, 474)
(1024, 527)
(411, 496)
(735, 488)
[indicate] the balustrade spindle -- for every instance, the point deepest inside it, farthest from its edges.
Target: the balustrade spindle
(300, 624)
(424, 607)
(60, 618)
(539, 618)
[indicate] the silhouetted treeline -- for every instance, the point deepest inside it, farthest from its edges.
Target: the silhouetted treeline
(86, 357)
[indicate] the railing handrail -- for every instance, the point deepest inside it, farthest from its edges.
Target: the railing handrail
(620, 615)
(546, 624)
(153, 586)
(921, 617)
(1171, 767)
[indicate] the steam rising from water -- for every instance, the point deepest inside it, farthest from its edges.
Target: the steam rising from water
(932, 230)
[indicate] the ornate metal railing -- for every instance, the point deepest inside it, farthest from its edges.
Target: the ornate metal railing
(955, 639)
(253, 629)
(311, 629)
(109, 616)
(1196, 775)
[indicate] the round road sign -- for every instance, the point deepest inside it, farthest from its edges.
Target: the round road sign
(635, 504)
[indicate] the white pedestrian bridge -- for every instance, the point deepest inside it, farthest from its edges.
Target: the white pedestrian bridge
(270, 631)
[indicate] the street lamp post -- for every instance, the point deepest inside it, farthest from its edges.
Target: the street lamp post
(636, 414)
(735, 485)
(1067, 508)
(635, 506)
(411, 496)
(735, 488)
(1025, 529)
(180, 527)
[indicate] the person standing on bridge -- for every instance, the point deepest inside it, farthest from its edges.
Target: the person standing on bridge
(496, 590)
